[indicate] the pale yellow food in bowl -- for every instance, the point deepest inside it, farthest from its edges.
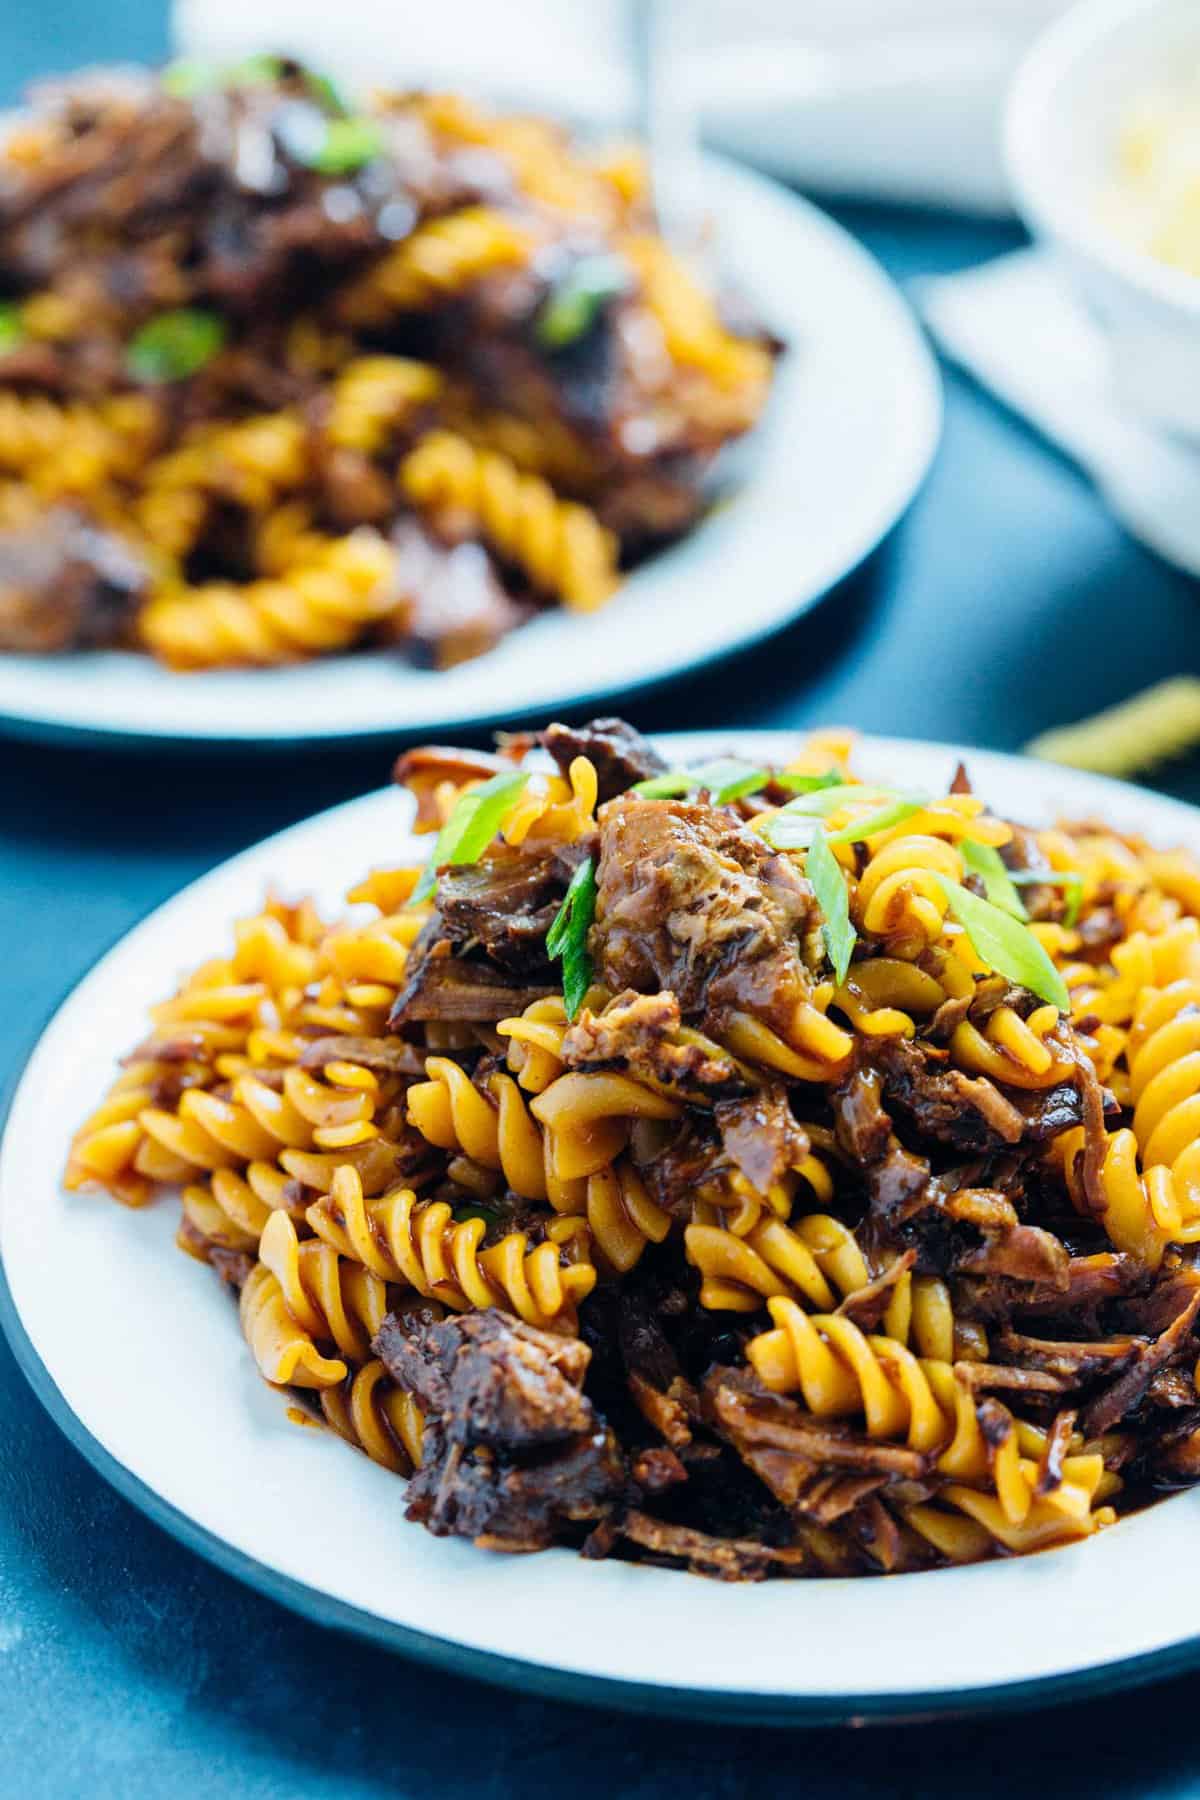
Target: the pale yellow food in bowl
(1153, 203)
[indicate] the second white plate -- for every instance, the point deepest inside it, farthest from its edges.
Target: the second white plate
(852, 426)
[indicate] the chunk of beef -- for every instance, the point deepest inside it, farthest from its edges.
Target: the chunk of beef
(456, 604)
(506, 903)
(752, 1420)
(639, 1033)
(690, 901)
(728, 1559)
(440, 984)
(619, 754)
(386, 1056)
(898, 1182)
(1127, 1390)
(1022, 1253)
(514, 1451)
(66, 585)
(760, 1135)
(964, 1111)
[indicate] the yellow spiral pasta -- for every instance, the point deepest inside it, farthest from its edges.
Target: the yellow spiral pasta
(444, 256)
(687, 315)
(559, 545)
(377, 1417)
(423, 1247)
(372, 395)
(817, 1257)
(327, 605)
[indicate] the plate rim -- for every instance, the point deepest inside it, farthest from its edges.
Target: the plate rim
(494, 1667)
(913, 456)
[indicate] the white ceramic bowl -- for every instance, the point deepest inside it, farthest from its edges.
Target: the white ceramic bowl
(1063, 118)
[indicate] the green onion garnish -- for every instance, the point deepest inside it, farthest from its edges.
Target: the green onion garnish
(174, 345)
(829, 886)
(807, 784)
(326, 93)
(571, 309)
(474, 822)
(725, 778)
(1005, 944)
(461, 1214)
(347, 145)
(867, 825)
(12, 330)
(998, 881)
(188, 76)
(568, 936)
(1069, 880)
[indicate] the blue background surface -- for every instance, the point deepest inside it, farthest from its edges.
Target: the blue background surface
(1007, 602)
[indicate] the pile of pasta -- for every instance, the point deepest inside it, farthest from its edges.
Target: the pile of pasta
(332, 377)
(898, 1274)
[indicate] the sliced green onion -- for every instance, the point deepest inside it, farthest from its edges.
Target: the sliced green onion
(1069, 880)
(807, 784)
(326, 93)
(726, 778)
(174, 345)
(829, 886)
(12, 329)
(347, 145)
(818, 803)
(252, 71)
(477, 816)
(188, 76)
(1005, 944)
(461, 1214)
(567, 938)
(986, 861)
(869, 824)
(571, 309)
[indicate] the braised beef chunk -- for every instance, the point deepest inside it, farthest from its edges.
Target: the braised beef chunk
(66, 585)
(513, 1451)
(505, 903)
(639, 1033)
(441, 985)
(760, 1135)
(482, 952)
(619, 754)
(458, 605)
(968, 1112)
(691, 901)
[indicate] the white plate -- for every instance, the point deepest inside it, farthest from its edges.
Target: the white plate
(852, 426)
(138, 1355)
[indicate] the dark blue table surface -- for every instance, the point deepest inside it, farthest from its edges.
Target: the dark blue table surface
(1008, 601)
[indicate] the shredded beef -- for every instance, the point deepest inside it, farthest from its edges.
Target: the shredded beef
(760, 1135)
(639, 1034)
(505, 903)
(457, 604)
(66, 585)
(619, 754)
(438, 984)
(691, 901)
(513, 1450)
(1127, 1390)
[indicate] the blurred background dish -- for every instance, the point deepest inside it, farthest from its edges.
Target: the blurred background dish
(1110, 72)
(848, 437)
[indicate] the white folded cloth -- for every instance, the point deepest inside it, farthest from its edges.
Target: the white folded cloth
(1015, 324)
(897, 99)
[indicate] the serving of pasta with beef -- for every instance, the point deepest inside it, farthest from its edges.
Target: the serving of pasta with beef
(754, 1170)
(279, 378)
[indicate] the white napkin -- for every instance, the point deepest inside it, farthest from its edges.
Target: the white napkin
(897, 99)
(1015, 324)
